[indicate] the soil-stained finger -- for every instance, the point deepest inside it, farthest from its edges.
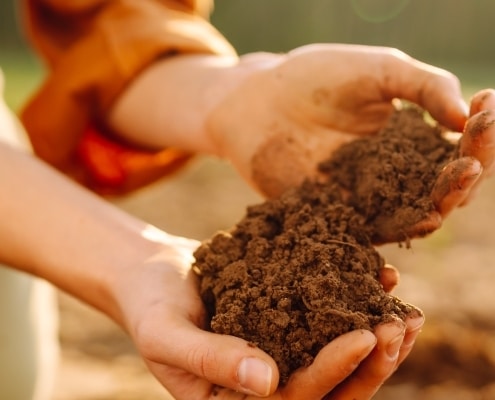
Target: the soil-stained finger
(331, 367)
(482, 100)
(478, 140)
(377, 367)
(454, 184)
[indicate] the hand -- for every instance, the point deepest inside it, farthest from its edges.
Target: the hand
(289, 116)
(165, 317)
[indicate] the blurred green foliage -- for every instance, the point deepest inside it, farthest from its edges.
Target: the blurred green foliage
(10, 28)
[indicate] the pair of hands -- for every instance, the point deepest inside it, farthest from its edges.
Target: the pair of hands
(166, 319)
(284, 115)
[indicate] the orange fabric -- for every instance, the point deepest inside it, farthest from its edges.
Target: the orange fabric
(93, 49)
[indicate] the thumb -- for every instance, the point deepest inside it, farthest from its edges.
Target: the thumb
(224, 360)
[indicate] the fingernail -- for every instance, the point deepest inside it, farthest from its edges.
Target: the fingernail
(255, 376)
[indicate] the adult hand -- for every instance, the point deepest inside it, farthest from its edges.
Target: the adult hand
(294, 112)
(165, 317)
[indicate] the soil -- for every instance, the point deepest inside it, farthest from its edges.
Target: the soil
(300, 270)
(448, 274)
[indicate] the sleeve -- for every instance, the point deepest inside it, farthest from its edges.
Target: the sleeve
(93, 49)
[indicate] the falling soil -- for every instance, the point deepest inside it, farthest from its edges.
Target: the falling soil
(300, 270)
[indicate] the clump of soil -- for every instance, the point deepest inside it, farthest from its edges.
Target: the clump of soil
(300, 270)
(388, 177)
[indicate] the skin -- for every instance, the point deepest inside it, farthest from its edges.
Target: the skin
(276, 116)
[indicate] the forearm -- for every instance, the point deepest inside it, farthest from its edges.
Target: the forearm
(54, 230)
(170, 102)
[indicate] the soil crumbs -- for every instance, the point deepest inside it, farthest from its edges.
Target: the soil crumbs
(300, 270)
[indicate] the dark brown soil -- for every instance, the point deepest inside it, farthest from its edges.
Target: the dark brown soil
(389, 176)
(300, 270)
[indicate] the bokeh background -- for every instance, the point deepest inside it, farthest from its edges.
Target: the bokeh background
(450, 275)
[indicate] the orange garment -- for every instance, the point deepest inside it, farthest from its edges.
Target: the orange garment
(93, 49)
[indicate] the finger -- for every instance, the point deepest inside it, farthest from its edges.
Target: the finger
(414, 323)
(436, 90)
(478, 139)
(224, 360)
(389, 277)
(380, 364)
(454, 183)
(334, 363)
(482, 100)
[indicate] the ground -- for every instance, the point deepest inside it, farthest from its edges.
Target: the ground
(449, 275)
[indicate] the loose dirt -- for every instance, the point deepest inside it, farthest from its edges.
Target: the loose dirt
(448, 274)
(300, 270)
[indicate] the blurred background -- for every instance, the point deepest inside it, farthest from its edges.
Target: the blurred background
(449, 275)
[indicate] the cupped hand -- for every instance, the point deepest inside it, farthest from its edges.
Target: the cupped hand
(164, 315)
(298, 108)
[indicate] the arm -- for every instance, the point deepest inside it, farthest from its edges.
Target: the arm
(65, 235)
(94, 49)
